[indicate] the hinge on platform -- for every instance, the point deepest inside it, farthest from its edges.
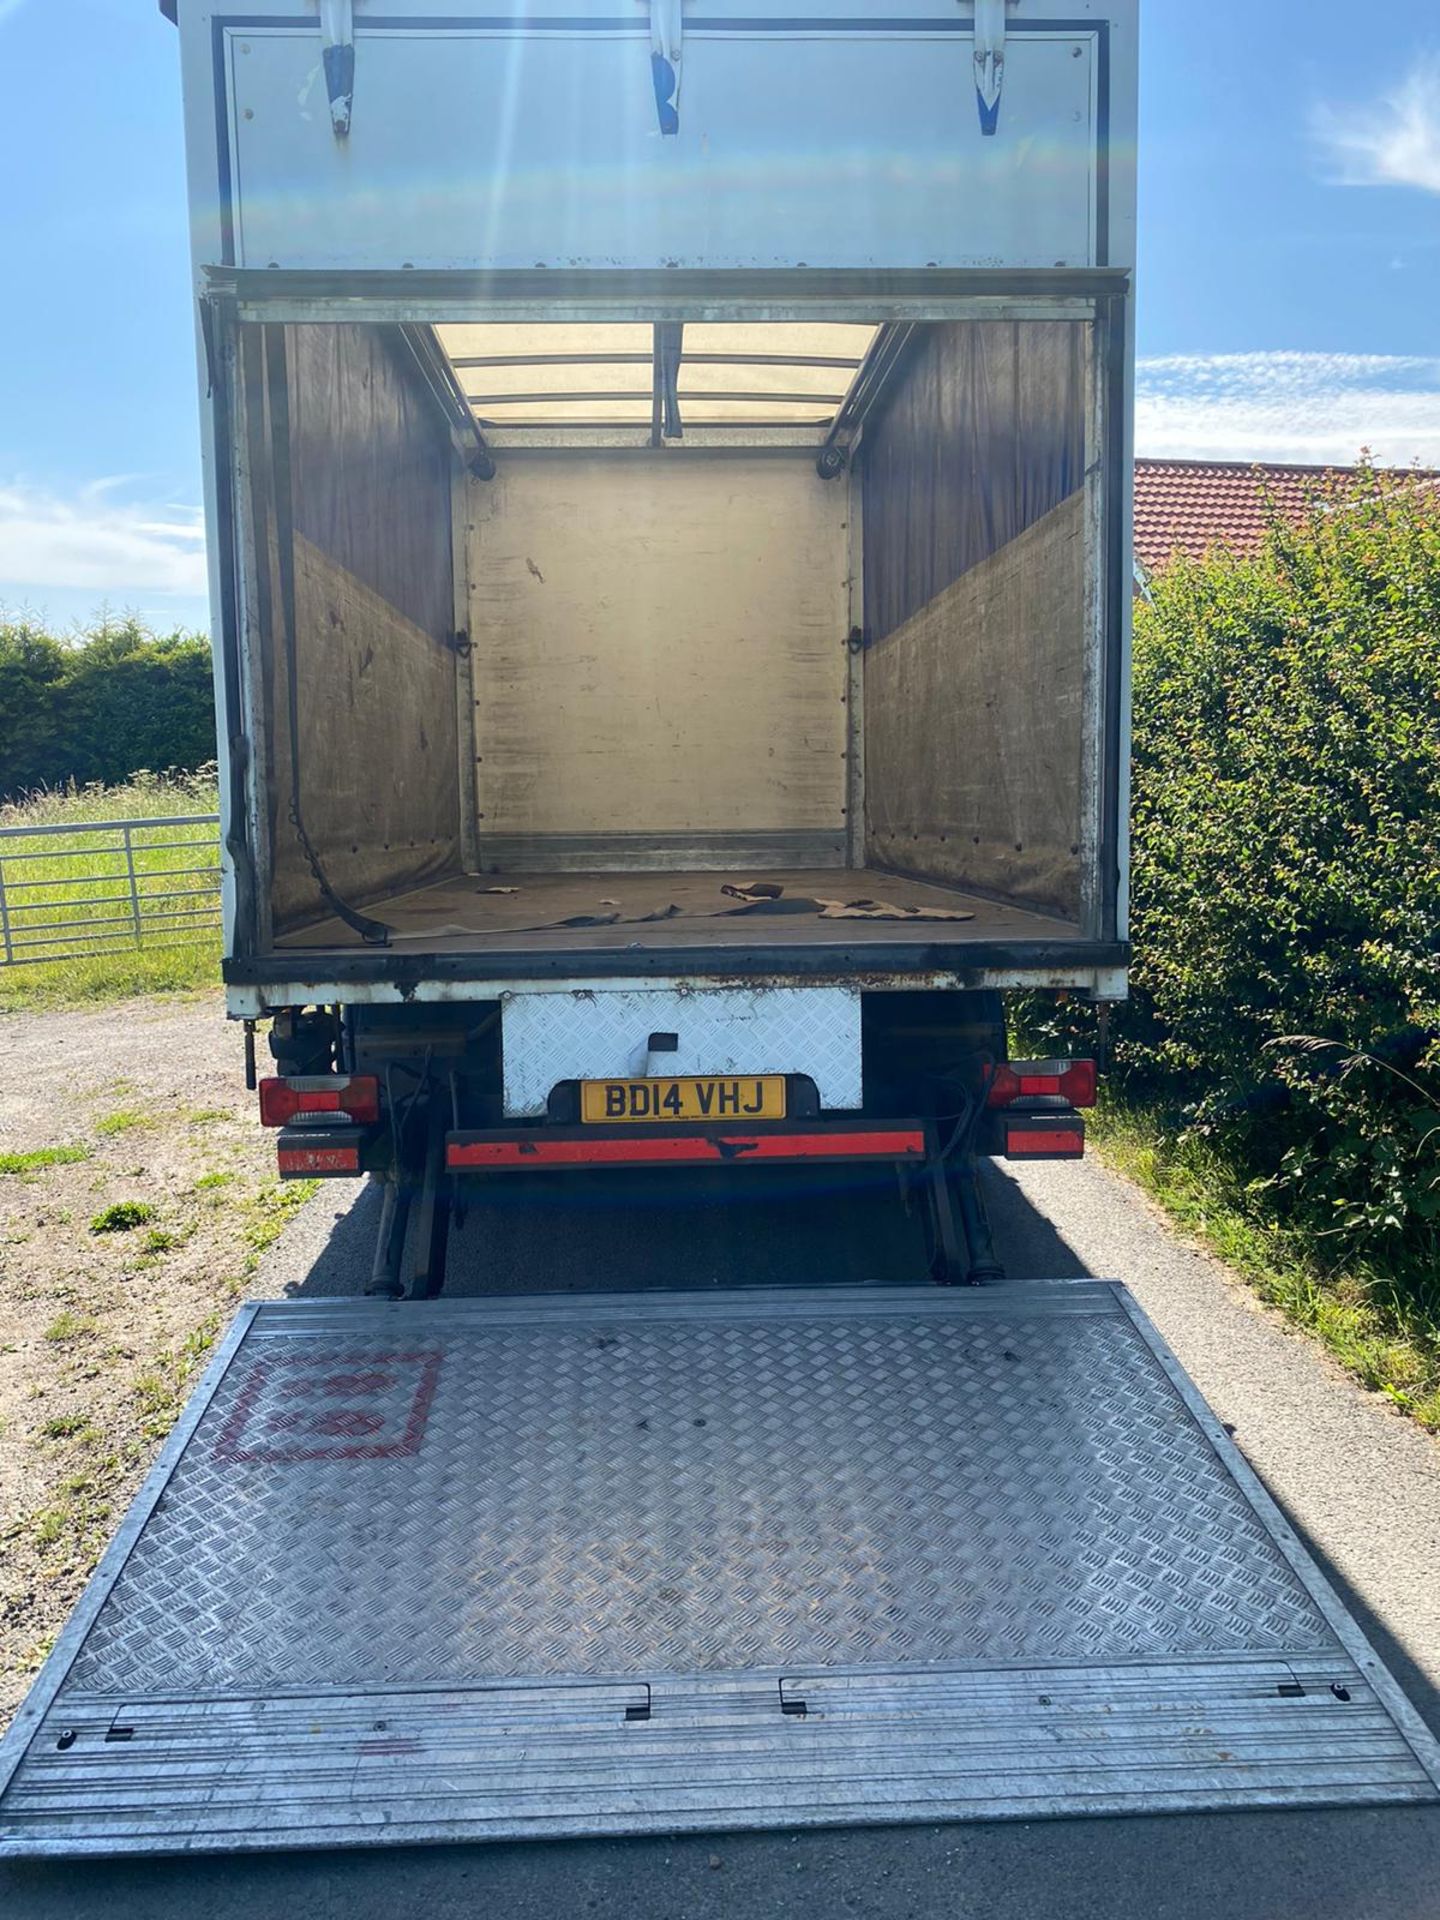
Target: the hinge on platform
(337, 33)
(791, 1704)
(639, 1713)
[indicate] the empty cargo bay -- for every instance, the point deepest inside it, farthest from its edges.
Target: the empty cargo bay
(665, 638)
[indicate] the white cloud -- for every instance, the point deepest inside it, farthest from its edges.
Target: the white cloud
(98, 541)
(1393, 143)
(1312, 408)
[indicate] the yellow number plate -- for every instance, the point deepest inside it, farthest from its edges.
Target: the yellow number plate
(742, 1097)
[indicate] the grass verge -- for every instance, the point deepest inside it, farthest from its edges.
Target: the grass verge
(38, 1158)
(112, 976)
(1391, 1345)
(60, 880)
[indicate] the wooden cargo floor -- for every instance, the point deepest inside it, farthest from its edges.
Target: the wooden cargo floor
(556, 912)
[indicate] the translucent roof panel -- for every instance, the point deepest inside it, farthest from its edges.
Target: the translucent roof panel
(766, 374)
(526, 341)
(802, 339)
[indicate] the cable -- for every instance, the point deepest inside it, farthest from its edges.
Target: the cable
(373, 932)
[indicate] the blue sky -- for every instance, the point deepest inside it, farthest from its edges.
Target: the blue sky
(1290, 270)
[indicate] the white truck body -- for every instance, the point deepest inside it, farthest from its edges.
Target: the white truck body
(653, 653)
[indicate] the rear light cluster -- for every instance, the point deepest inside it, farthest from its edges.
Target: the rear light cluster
(1072, 1081)
(1036, 1102)
(318, 1098)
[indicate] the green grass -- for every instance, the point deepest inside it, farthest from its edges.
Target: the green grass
(272, 1207)
(176, 953)
(160, 1389)
(163, 1240)
(1388, 1341)
(209, 1182)
(67, 1426)
(78, 1516)
(121, 1216)
(40, 1157)
(123, 1120)
(52, 1524)
(67, 1326)
(119, 976)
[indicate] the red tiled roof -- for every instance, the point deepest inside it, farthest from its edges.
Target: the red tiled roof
(1191, 506)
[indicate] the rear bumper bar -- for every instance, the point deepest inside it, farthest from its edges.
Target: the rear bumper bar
(550, 1148)
(340, 1152)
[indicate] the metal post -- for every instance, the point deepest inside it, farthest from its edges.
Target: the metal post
(390, 1237)
(5, 919)
(130, 875)
(985, 1268)
(432, 1226)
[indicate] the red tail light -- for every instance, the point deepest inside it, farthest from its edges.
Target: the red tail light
(1069, 1080)
(354, 1096)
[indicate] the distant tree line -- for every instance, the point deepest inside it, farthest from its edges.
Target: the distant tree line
(101, 706)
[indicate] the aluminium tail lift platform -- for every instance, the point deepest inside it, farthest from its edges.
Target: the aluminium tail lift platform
(601, 1564)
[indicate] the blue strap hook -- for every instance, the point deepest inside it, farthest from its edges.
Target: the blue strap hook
(667, 30)
(989, 61)
(337, 36)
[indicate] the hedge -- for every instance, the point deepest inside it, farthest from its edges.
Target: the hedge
(102, 707)
(1286, 868)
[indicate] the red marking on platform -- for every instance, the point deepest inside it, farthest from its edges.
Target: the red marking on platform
(400, 1743)
(341, 1420)
(337, 1383)
(258, 1432)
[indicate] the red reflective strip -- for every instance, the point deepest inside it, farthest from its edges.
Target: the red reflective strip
(319, 1159)
(535, 1150)
(1044, 1143)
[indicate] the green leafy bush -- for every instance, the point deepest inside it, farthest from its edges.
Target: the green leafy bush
(1286, 870)
(100, 708)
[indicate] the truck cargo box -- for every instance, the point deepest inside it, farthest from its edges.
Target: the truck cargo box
(659, 453)
(572, 684)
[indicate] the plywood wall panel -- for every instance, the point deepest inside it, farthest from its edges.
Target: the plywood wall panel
(981, 436)
(659, 647)
(974, 724)
(369, 498)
